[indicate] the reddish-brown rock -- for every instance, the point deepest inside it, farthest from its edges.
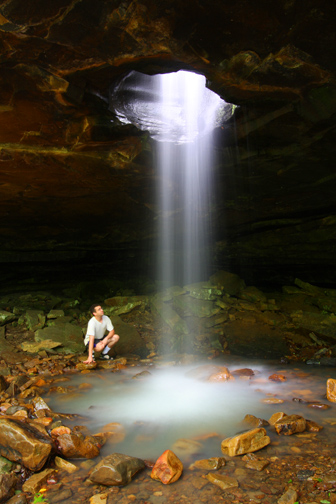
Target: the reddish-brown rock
(168, 468)
(77, 446)
(25, 444)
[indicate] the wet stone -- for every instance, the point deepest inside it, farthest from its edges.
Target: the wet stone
(18, 499)
(24, 444)
(247, 442)
(116, 469)
(254, 421)
(61, 496)
(7, 486)
(211, 464)
(257, 465)
(290, 425)
(36, 481)
(168, 468)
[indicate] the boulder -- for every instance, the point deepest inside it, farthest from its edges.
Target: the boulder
(246, 442)
(130, 341)
(24, 443)
(221, 375)
(230, 282)
(209, 372)
(70, 445)
(331, 390)
(116, 469)
(69, 335)
(168, 468)
(170, 316)
(8, 484)
(290, 424)
(35, 319)
(276, 416)
(53, 314)
(321, 323)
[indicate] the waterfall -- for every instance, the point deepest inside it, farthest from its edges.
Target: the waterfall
(180, 113)
(185, 161)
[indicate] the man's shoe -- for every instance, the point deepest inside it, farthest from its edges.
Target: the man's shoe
(105, 357)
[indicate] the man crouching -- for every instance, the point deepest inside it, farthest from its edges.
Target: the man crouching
(95, 338)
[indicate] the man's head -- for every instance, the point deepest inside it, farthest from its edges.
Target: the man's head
(96, 309)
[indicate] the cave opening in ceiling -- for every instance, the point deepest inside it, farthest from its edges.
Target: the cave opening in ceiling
(180, 113)
(172, 107)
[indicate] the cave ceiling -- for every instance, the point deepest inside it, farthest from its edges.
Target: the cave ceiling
(73, 181)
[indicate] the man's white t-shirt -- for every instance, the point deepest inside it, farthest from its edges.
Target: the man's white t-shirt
(98, 329)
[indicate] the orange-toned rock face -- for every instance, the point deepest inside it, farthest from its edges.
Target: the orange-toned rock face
(24, 444)
(168, 468)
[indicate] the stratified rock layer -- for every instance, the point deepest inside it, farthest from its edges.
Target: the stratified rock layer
(23, 443)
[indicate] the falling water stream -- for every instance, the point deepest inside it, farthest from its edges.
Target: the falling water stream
(180, 114)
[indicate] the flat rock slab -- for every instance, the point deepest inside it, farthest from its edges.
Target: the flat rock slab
(248, 442)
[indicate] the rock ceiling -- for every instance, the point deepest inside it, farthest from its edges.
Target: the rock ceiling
(75, 185)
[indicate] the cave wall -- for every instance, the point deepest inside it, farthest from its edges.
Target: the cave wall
(77, 188)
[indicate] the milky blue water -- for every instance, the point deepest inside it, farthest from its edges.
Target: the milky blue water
(171, 404)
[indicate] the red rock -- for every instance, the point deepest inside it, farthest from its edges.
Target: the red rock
(168, 468)
(223, 375)
(277, 377)
(74, 446)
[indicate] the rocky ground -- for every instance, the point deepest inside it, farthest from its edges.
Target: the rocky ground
(47, 456)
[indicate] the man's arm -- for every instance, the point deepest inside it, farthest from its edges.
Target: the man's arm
(110, 334)
(91, 342)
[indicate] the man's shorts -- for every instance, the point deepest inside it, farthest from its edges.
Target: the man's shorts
(94, 344)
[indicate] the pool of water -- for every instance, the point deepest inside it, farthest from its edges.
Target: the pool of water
(174, 402)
